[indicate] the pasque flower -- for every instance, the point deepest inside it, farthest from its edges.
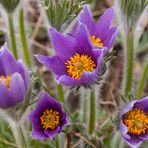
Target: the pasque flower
(13, 79)
(101, 33)
(76, 62)
(48, 119)
(134, 122)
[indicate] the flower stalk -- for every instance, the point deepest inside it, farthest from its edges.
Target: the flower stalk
(57, 144)
(142, 80)
(16, 129)
(92, 115)
(19, 136)
(85, 106)
(23, 38)
(12, 35)
(60, 93)
(129, 61)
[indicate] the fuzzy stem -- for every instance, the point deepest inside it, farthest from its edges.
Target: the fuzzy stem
(57, 142)
(23, 38)
(129, 61)
(92, 115)
(19, 136)
(12, 34)
(16, 129)
(142, 80)
(85, 105)
(60, 92)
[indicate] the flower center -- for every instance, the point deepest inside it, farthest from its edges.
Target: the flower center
(50, 119)
(79, 64)
(96, 41)
(6, 80)
(136, 121)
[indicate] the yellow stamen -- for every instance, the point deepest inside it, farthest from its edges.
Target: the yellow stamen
(136, 121)
(79, 64)
(96, 41)
(50, 119)
(6, 80)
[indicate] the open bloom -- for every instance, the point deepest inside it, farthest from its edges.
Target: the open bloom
(101, 33)
(13, 79)
(134, 122)
(75, 62)
(48, 118)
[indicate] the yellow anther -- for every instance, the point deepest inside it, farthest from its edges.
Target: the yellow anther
(79, 64)
(6, 80)
(50, 119)
(96, 41)
(136, 121)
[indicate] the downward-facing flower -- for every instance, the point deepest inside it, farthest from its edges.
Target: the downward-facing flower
(13, 79)
(134, 122)
(48, 119)
(75, 62)
(101, 33)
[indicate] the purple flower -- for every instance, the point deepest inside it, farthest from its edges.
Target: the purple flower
(48, 119)
(13, 79)
(134, 122)
(75, 62)
(101, 33)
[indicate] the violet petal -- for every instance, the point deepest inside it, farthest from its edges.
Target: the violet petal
(83, 42)
(53, 63)
(8, 61)
(104, 22)
(6, 100)
(86, 18)
(142, 104)
(62, 44)
(17, 87)
(110, 37)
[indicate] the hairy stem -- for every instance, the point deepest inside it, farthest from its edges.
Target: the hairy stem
(129, 61)
(142, 80)
(23, 38)
(12, 34)
(16, 129)
(60, 92)
(92, 115)
(57, 142)
(85, 105)
(19, 136)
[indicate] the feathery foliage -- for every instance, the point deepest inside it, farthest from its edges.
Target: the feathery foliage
(131, 10)
(60, 13)
(9, 5)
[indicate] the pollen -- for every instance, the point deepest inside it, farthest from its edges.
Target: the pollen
(136, 121)
(6, 80)
(96, 41)
(50, 119)
(79, 64)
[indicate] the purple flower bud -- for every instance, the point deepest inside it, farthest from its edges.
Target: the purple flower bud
(13, 79)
